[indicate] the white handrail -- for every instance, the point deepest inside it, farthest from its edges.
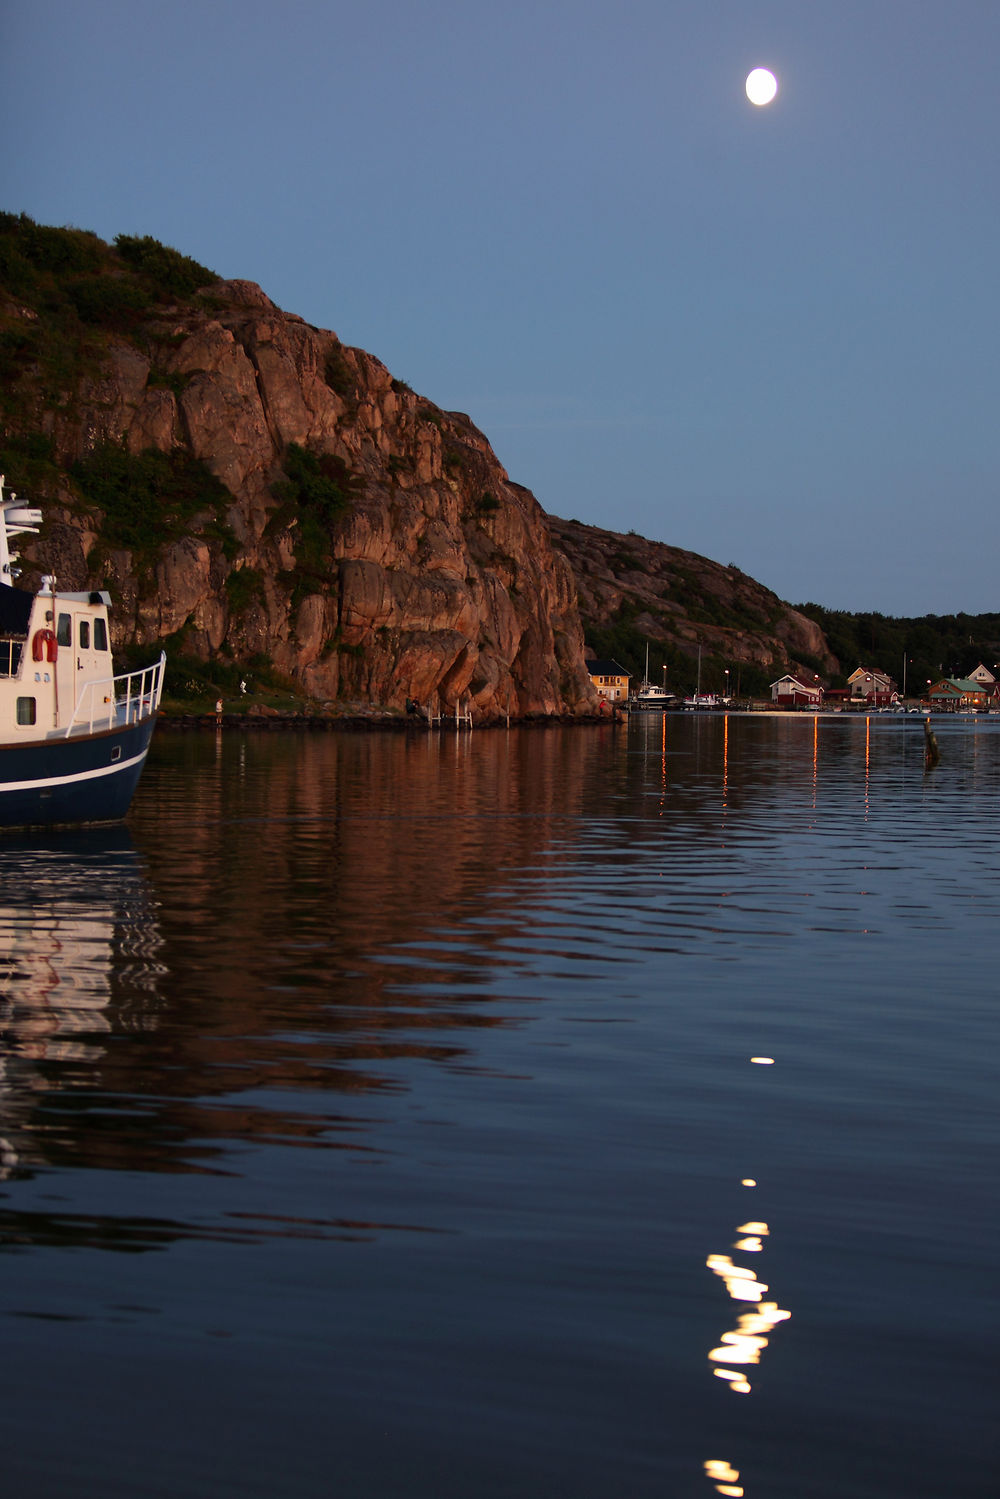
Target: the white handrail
(129, 698)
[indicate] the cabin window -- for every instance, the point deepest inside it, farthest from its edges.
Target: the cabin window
(26, 710)
(100, 634)
(85, 634)
(64, 630)
(10, 657)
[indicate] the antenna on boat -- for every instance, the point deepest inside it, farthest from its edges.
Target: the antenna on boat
(15, 520)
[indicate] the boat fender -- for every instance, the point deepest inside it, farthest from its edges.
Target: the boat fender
(43, 646)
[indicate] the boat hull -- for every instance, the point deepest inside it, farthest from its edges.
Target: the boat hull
(72, 782)
(651, 700)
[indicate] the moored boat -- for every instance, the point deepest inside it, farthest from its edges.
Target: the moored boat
(648, 697)
(73, 736)
(707, 700)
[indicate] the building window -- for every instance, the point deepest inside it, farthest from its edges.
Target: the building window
(26, 710)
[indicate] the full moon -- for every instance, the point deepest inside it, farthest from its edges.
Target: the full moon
(761, 86)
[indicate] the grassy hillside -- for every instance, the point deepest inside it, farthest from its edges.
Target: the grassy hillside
(932, 645)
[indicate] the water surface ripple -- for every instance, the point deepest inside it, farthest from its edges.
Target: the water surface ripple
(584, 1112)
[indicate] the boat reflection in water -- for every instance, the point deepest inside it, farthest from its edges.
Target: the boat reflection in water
(79, 938)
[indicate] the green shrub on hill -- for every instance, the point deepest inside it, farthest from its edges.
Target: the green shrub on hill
(339, 375)
(244, 587)
(319, 488)
(28, 250)
(168, 271)
(147, 498)
(108, 301)
(29, 464)
(80, 291)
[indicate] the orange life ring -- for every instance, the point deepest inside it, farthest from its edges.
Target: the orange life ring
(43, 646)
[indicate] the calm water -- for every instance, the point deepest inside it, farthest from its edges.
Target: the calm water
(546, 1113)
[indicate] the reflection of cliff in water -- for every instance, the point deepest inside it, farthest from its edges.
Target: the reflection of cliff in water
(311, 875)
(79, 965)
(330, 910)
(333, 909)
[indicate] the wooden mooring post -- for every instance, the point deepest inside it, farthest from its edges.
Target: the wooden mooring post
(932, 753)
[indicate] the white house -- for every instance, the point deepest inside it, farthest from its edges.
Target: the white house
(870, 685)
(791, 692)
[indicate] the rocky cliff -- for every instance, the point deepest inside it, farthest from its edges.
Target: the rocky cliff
(256, 492)
(634, 592)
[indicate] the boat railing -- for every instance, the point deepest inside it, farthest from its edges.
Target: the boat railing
(116, 701)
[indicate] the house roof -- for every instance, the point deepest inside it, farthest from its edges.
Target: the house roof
(869, 671)
(959, 687)
(607, 669)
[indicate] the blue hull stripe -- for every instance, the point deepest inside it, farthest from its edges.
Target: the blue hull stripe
(57, 782)
(83, 775)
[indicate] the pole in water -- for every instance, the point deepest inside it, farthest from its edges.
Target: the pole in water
(931, 752)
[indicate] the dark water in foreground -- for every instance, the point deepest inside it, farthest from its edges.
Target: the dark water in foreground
(379, 1117)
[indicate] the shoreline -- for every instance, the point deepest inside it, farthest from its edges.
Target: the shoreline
(361, 722)
(376, 721)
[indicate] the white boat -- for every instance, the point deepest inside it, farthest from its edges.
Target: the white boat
(707, 700)
(73, 736)
(648, 697)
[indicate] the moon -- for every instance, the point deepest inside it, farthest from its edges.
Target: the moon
(761, 86)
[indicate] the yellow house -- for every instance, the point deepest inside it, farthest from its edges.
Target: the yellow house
(610, 679)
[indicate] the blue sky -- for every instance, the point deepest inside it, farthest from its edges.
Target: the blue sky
(767, 335)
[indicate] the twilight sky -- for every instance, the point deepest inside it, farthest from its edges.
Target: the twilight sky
(769, 335)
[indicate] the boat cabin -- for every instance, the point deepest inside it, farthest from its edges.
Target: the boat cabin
(54, 649)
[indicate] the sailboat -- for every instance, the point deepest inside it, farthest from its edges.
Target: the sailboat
(705, 699)
(648, 697)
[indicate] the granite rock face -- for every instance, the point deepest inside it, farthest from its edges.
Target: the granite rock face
(439, 582)
(432, 577)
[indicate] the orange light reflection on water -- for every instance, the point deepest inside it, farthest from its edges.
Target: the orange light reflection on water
(663, 754)
(725, 764)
